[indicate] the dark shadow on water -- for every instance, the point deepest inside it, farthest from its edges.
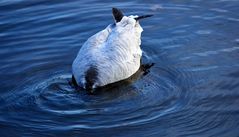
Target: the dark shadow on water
(143, 70)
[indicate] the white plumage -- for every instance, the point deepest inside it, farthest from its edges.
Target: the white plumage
(110, 55)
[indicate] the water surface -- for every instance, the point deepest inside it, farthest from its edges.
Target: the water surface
(192, 90)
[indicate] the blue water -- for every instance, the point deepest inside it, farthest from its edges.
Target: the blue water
(191, 91)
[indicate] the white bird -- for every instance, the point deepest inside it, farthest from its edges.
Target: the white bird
(111, 55)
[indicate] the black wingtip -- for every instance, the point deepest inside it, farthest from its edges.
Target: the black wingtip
(142, 17)
(118, 15)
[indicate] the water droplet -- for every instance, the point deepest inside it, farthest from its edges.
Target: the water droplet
(156, 7)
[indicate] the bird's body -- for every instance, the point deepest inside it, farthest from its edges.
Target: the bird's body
(109, 56)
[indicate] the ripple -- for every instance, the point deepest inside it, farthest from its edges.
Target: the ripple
(54, 96)
(237, 40)
(219, 10)
(233, 19)
(203, 32)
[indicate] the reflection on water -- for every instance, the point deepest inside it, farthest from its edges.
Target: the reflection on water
(192, 90)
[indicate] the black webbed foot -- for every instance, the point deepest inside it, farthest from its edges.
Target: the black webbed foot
(146, 68)
(73, 83)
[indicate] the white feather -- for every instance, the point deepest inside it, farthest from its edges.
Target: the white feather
(114, 51)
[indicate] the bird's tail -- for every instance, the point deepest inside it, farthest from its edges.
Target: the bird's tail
(142, 17)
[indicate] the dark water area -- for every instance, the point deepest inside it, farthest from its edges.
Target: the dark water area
(191, 91)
